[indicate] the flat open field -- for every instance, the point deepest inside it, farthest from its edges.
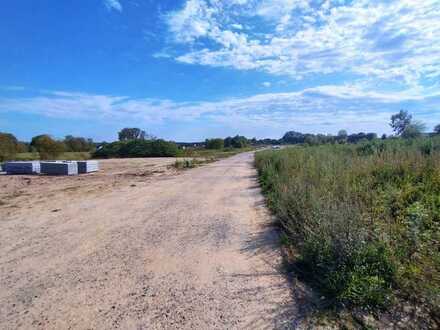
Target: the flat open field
(22, 194)
(140, 245)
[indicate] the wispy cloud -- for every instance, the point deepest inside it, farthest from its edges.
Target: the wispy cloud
(113, 5)
(321, 109)
(395, 40)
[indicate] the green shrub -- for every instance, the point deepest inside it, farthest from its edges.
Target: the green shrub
(214, 144)
(183, 164)
(137, 148)
(364, 219)
(8, 146)
(47, 147)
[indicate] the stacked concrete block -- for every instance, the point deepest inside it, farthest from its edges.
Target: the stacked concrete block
(88, 166)
(59, 168)
(30, 167)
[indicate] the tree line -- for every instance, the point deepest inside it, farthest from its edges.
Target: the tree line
(47, 146)
(135, 142)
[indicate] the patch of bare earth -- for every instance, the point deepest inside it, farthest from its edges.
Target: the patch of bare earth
(137, 247)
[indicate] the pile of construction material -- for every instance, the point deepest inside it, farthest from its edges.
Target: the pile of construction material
(22, 167)
(51, 167)
(59, 168)
(88, 166)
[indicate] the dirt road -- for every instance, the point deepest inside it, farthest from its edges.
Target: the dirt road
(194, 250)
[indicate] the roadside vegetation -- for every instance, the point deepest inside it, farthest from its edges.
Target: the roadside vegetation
(183, 164)
(362, 221)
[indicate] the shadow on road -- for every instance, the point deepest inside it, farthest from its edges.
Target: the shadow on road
(288, 313)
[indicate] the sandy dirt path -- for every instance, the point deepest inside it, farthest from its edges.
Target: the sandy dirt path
(194, 250)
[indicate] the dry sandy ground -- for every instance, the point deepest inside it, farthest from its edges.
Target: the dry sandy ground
(142, 248)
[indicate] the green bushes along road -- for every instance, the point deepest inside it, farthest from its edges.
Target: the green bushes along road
(363, 220)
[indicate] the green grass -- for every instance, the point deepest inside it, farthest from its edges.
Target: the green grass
(181, 164)
(212, 153)
(363, 221)
(197, 157)
(63, 156)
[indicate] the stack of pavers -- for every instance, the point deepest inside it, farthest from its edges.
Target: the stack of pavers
(87, 166)
(30, 167)
(59, 168)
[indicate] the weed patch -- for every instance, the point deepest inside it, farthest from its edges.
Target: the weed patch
(364, 219)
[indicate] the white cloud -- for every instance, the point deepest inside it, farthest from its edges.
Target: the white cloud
(324, 108)
(237, 26)
(113, 5)
(395, 40)
(266, 84)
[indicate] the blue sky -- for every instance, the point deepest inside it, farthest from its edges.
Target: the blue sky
(191, 69)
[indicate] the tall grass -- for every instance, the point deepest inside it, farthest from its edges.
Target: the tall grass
(363, 219)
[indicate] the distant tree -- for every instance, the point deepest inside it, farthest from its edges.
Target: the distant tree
(214, 144)
(227, 142)
(342, 134)
(413, 130)
(77, 144)
(137, 148)
(437, 129)
(400, 121)
(128, 134)
(384, 136)
(371, 136)
(356, 137)
(293, 137)
(8, 146)
(47, 147)
(311, 139)
(239, 142)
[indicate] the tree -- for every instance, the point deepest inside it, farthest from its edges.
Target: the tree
(437, 129)
(311, 140)
(214, 144)
(400, 121)
(128, 134)
(342, 134)
(77, 144)
(137, 148)
(22, 147)
(47, 147)
(293, 137)
(8, 146)
(413, 130)
(371, 136)
(239, 142)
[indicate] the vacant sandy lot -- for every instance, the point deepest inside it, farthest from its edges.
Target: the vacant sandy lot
(141, 246)
(21, 194)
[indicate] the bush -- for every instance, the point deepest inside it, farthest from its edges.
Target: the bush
(364, 220)
(47, 147)
(8, 146)
(214, 144)
(78, 144)
(137, 148)
(236, 142)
